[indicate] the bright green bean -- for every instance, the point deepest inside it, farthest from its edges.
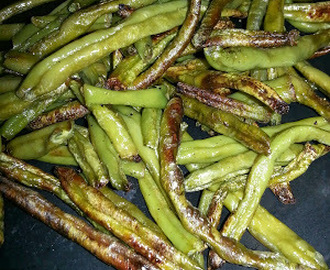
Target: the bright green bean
(18, 122)
(38, 143)
(115, 127)
(7, 31)
(85, 155)
(150, 126)
(151, 98)
(19, 7)
(87, 49)
(256, 14)
(309, 27)
(107, 154)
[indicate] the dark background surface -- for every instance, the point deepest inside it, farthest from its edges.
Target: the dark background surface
(29, 244)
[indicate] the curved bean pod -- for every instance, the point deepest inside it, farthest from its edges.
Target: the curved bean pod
(261, 173)
(242, 59)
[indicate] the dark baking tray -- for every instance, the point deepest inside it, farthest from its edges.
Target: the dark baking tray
(29, 244)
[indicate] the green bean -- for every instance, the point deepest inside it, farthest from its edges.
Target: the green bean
(95, 74)
(133, 121)
(78, 23)
(7, 31)
(308, 12)
(214, 80)
(234, 4)
(133, 169)
(217, 173)
(151, 98)
(166, 219)
(214, 99)
(107, 154)
(221, 140)
(126, 72)
(19, 61)
(210, 19)
(248, 38)
(122, 224)
(116, 59)
(87, 49)
(315, 75)
(42, 21)
(10, 105)
(261, 172)
(203, 178)
(18, 122)
(104, 246)
(241, 58)
(40, 35)
(150, 125)
(256, 14)
(38, 143)
(32, 176)
(283, 87)
(76, 88)
(113, 124)
(306, 95)
(227, 124)
(300, 164)
(60, 156)
(275, 235)
(214, 214)
(274, 17)
(27, 31)
(144, 48)
(19, 7)
(76, 5)
(208, 154)
(309, 27)
(173, 51)
(88, 160)
(132, 209)
(172, 180)
(9, 83)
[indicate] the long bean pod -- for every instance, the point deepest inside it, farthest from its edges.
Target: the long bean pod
(214, 80)
(210, 19)
(261, 172)
(320, 78)
(105, 247)
(173, 51)
(18, 122)
(19, 7)
(87, 50)
(127, 228)
(227, 124)
(107, 154)
(38, 143)
(2, 221)
(7, 31)
(193, 220)
(247, 58)
(256, 14)
(308, 12)
(78, 23)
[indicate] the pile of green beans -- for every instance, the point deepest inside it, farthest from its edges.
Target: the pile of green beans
(103, 90)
